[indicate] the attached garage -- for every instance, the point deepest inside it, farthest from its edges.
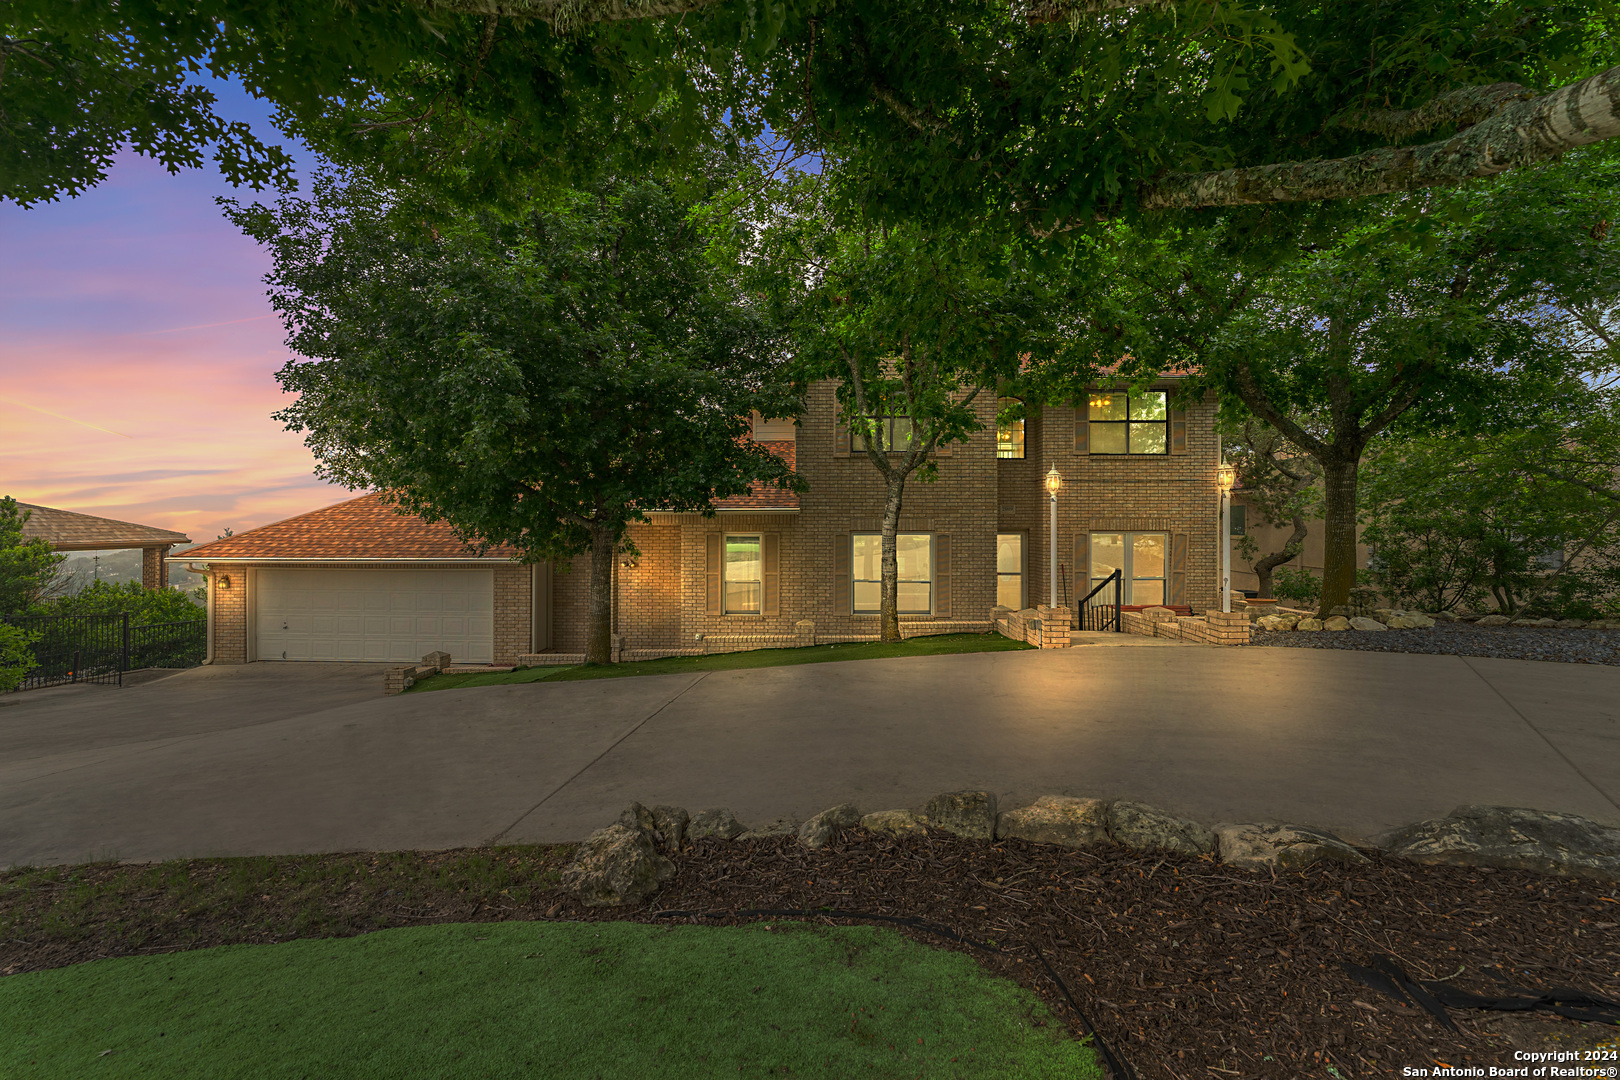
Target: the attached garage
(374, 615)
(360, 582)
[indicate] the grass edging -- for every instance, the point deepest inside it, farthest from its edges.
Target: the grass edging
(937, 645)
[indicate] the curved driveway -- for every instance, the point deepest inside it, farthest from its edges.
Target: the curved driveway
(269, 759)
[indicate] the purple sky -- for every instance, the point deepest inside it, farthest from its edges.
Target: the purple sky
(138, 354)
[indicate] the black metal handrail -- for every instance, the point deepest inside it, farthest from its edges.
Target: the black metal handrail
(1096, 611)
(101, 648)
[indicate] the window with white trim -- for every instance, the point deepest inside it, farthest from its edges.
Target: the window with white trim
(1010, 568)
(1143, 556)
(914, 555)
(743, 573)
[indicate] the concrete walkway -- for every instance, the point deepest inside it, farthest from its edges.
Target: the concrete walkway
(269, 759)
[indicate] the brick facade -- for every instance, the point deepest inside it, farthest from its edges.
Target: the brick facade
(664, 591)
(660, 602)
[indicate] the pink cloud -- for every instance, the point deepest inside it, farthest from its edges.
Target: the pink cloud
(136, 314)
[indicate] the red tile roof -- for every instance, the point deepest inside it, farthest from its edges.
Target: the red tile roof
(66, 531)
(363, 528)
(763, 496)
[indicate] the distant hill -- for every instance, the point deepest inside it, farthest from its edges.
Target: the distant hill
(116, 567)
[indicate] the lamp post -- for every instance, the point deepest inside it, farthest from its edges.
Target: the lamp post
(1054, 480)
(1225, 477)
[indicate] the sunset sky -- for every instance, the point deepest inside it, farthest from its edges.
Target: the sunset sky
(138, 355)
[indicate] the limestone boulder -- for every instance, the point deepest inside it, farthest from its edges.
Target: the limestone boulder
(1572, 624)
(1362, 622)
(670, 822)
(615, 866)
(895, 822)
(719, 824)
(1336, 622)
(1513, 838)
(1057, 819)
(824, 826)
(1308, 624)
(637, 817)
(1262, 845)
(1147, 828)
(1277, 622)
(1410, 622)
(1493, 619)
(782, 826)
(1445, 616)
(965, 813)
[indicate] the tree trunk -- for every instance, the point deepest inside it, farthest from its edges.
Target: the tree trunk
(1339, 532)
(889, 629)
(599, 637)
(1292, 547)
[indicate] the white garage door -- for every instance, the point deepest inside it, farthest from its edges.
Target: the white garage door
(375, 615)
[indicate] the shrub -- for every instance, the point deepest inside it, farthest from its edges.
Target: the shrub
(16, 656)
(144, 605)
(1301, 586)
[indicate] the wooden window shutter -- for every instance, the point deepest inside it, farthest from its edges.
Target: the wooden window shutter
(1082, 564)
(942, 576)
(716, 563)
(1178, 431)
(840, 434)
(1082, 427)
(770, 574)
(841, 556)
(1178, 568)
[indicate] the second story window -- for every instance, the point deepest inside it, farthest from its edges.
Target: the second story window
(893, 433)
(1009, 433)
(1123, 423)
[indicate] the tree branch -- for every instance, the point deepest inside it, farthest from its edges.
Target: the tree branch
(1260, 404)
(1520, 134)
(568, 14)
(1463, 107)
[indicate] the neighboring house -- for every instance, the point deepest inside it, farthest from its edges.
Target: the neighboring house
(358, 582)
(65, 530)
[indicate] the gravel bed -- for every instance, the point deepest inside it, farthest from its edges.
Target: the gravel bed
(1462, 639)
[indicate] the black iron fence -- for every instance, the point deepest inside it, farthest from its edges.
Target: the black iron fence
(1099, 610)
(101, 648)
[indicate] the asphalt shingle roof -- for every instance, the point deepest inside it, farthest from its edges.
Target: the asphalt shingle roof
(65, 530)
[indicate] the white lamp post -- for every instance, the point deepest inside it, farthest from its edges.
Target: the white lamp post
(1225, 477)
(1054, 480)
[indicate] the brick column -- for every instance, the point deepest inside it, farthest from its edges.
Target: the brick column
(154, 571)
(1055, 623)
(1228, 627)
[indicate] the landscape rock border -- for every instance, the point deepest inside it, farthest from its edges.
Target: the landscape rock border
(626, 862)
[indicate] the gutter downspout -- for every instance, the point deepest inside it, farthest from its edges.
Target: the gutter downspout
(208, 581)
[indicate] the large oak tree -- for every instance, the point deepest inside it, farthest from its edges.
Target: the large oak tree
(540, 377)
(1051, 112)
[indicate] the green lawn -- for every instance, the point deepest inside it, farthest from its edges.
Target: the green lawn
(757, 658)
(587, 1000)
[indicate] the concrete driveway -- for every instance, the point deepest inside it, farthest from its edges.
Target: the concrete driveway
(269, 759)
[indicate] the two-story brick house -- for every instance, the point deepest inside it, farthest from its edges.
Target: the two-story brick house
(358, 582)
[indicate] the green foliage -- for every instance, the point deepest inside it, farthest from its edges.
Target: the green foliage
(1528, 518)
(27, 566)
(144, 605)
(16, 656)
(1302, 586)
(956, 110)
(539, 378)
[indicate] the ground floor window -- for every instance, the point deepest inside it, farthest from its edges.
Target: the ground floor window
(743, 575)
(1142, 557)
(1010, 568)
(914, 553)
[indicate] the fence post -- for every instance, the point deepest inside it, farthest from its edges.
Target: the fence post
(1119, 596)
(123, 662)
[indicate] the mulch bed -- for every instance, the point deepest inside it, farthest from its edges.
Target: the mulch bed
(1185, 967)
(1563, 646)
